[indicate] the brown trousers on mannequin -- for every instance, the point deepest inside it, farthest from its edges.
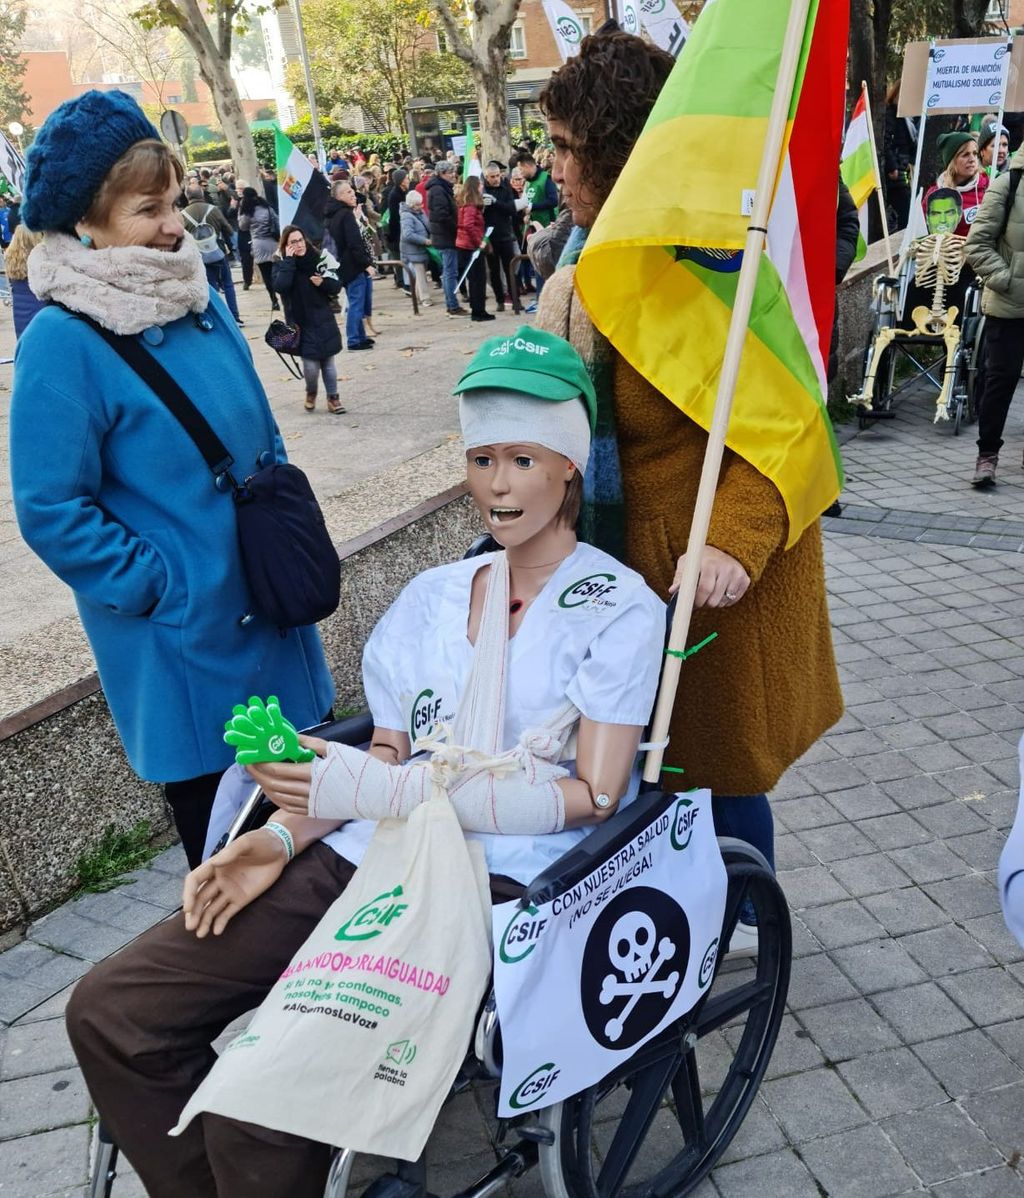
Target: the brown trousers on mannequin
(142, 1023)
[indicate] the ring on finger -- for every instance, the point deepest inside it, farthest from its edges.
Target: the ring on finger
(731, 597)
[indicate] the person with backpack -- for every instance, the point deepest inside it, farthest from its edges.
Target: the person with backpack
(212, 233)
(995, 251)
(260, 221)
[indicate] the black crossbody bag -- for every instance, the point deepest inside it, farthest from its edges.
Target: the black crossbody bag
(290, 563)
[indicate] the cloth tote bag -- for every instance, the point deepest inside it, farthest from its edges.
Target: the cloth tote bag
(360, 1039)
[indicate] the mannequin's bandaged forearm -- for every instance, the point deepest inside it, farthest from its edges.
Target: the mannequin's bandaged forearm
(350, 784)
(511, 805)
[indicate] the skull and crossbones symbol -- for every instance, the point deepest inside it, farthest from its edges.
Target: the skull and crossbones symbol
(631, 949)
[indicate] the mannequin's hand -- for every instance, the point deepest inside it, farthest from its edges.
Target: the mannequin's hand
(722, 582)
(287, 785)
(219, 888)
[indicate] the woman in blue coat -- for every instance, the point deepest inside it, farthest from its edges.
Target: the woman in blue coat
(120, 505)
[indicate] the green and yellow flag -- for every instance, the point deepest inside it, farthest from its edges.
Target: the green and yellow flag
(659, 272)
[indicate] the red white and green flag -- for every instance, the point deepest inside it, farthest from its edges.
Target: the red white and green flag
(857, 167)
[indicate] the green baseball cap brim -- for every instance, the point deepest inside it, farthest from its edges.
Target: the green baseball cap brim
(535, 362)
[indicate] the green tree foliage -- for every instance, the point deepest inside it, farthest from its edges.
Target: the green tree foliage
(13, 99)
(377, 54)
(388, 145)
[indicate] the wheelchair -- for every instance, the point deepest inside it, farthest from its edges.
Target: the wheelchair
(657, 1125)
(912, 326)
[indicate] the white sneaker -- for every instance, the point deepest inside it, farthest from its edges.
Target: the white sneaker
(743, 942)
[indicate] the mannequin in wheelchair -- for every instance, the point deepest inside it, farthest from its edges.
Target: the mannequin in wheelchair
(520, 682)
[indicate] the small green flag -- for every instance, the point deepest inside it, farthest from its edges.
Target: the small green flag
(471, 158)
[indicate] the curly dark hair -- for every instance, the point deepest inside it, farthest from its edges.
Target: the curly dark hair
(604, 96)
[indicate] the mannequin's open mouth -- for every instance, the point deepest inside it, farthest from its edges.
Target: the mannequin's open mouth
(505, 515)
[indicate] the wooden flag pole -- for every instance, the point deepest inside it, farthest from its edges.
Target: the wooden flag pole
(878, 178)
(747, 279)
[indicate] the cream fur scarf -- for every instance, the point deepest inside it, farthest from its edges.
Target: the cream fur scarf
(124, 288)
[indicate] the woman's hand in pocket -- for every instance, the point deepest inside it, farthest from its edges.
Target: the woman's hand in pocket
(722, 581)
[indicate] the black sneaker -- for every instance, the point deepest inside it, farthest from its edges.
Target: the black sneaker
(362, 345)
(484, 316)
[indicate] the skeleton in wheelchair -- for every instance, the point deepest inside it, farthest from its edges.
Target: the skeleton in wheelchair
(575, 651)
(931, 267)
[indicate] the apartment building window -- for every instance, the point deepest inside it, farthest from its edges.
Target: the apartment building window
(517, 44)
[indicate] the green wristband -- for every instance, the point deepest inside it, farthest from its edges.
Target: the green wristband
(282, 833)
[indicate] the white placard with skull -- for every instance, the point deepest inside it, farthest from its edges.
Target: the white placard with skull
(585, 979)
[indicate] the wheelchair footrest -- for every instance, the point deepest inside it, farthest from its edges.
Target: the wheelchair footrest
(871, 414)
(393, 1186)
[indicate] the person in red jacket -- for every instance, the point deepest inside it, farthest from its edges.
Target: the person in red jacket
(469, 239)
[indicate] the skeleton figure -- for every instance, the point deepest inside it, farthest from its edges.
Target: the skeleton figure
(938, 260)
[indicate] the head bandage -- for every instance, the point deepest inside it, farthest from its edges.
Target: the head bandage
(498, 417)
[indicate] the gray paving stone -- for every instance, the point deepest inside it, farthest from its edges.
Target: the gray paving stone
(36, 1048)
(890, 1082)
(861, 1163)
(41, 1102)
(847, 1030)
(904, 734)
(998, 1113)
(950, 820)
(155, 886)
(968, 1063)
(119, 909)
(894, 831)
(52, 1008)
(792, 853)
(931, 862)
(781, 1174)
(813, 1104)
(817, 980)
(981, 850)
(69, 933)
(921, 1012)
(759, 1133)
(171, 861)
(1001, 1182)
(991, 933)
(883, 767)
(830, 776)
(966, 897)
(841, 924)
(795, 1050)
(945, 950)
(878, 965)
(939, 1144)
(987, 995)
(49, 1163)
(869, 875)
(838, 842)
(918, 790)
(906, 910)
(810, 887)
(810, 811)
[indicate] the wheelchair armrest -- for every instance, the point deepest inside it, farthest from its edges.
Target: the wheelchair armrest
(887, 281)
(602, 843)
(349, 730)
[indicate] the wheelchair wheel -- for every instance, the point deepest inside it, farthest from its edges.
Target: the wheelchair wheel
(975, 371)
(656, 1128)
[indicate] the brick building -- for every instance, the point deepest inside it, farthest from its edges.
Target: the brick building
(533, 52)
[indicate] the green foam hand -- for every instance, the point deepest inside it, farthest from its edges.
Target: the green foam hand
(260, 732)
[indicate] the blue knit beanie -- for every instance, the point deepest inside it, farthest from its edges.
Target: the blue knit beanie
(73, 153)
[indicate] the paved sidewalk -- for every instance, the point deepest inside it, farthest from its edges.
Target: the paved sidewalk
(900, 1067)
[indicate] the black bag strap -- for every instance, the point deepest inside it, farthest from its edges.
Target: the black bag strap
(1011, 192)
(170, 394)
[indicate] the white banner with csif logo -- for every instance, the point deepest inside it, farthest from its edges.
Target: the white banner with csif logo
(566, 27)
(585, 979)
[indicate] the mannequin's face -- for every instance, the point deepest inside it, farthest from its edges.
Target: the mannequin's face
(517, 488)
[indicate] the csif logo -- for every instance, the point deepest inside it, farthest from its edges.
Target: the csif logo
(629, 19)
(276, 745)
(534, 1086)
(521, 935)
(653, 7)
(569, 31)
(592, 590)
(683, 819)
(425, 710)
(707, 965)
(373, 917)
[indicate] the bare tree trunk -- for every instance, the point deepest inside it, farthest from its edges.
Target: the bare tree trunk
(486, 55)
(969, 18)
(214, 61)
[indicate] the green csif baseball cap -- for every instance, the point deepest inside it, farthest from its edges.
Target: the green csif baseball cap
(535, 362)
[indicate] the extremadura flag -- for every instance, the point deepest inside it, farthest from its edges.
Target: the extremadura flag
(302, 190)
(659, 272)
